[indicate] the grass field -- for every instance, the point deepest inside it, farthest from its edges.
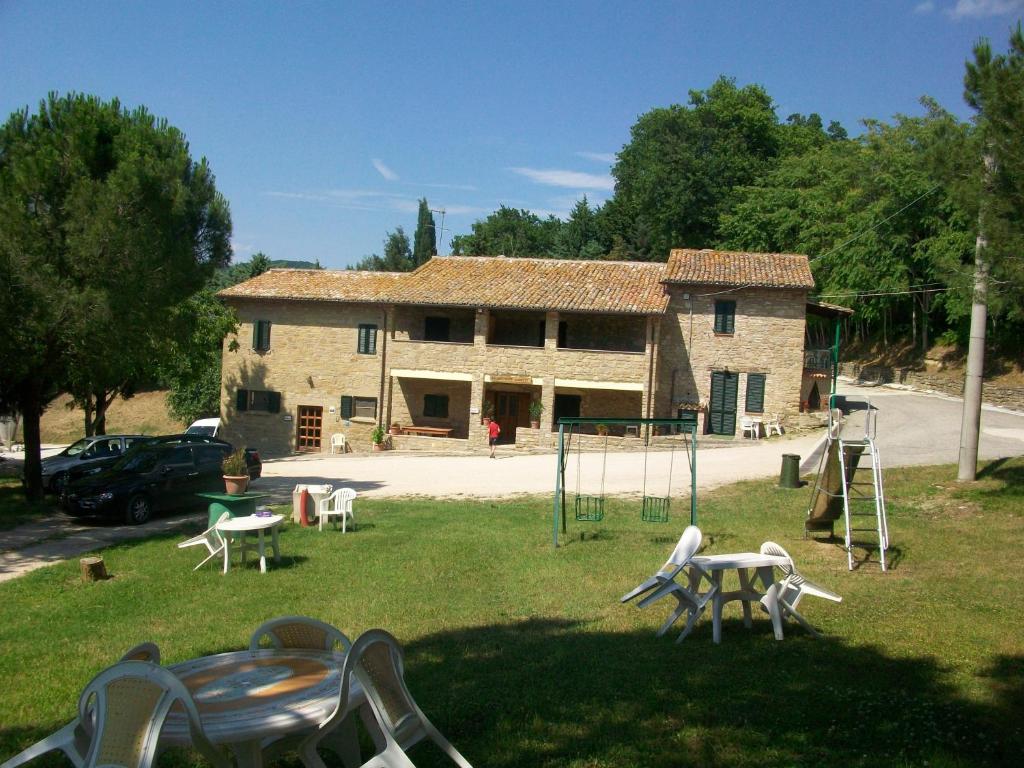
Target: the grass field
(523, 655)
(145, 413)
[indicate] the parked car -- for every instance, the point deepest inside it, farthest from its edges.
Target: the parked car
(208, 427)
(153, 476)
(82, 456)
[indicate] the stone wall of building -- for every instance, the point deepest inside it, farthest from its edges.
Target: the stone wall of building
(610, 332)
(768, 338)
(408, 396)
(312, 361)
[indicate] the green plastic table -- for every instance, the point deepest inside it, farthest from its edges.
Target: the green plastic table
(236, 506)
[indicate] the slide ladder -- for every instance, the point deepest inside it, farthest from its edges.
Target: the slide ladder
(850, 470)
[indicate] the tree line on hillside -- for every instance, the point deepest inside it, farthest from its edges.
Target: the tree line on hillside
(889, 217)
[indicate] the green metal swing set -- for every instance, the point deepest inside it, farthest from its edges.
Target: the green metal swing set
(589, 507)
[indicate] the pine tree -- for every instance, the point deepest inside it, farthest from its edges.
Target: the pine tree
(425, 239)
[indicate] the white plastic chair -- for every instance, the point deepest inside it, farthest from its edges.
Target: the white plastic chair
(299, 632)
(788, 592)
(749, 426)
(74, 738)
(774, 424)
(338, 441)
(378, 664)
(338, 504)
(663, 583)
(338, 731)
(211, 538)
(128, 703)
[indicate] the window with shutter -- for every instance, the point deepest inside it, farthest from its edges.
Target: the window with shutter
(346, 406)
(435, 406)
(364, 407)
(258, 400)
(755, 392)
(725, 316)
(261, 335)
(367, 343)
(242, 400)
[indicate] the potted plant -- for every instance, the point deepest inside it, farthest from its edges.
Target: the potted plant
(396, 428)
(488, 411)
(377, 437)
(536, 409)
(601, 429)
(236, 473)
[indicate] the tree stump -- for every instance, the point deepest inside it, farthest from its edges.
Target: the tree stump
(93, 569)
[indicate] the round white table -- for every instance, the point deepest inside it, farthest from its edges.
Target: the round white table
(248, 524)
(245, 697)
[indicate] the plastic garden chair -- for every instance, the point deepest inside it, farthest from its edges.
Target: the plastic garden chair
(338, 504)
(128, 703)
(299, 632)
(749, 426)
(788, 592)
(663, 583)
(211, 538)
(378, 664)
(73, 739)
(338, 441)
(774, 424)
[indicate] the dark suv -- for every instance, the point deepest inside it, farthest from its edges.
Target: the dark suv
(153, 476)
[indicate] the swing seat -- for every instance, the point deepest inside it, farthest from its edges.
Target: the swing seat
(655, 509)
(590, 508)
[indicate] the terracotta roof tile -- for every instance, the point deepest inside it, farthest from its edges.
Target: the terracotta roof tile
(538, 284)
(477, 281)
(317, 285)
(770, 270)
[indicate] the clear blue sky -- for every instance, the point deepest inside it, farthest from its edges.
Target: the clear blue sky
(325, 122)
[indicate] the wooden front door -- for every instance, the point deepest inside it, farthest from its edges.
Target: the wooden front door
(307, 436)
(506, 413)
(723, 402)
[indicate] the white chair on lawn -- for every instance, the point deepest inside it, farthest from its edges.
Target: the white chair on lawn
(378, 664)
(299, 632)
(749, 426)
(211, 538)
(338, 504)
(663, 583)
(338, 441)
(790, 590)
(74, 738)
(774, 424)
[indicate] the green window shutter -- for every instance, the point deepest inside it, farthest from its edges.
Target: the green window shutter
(265, 335)
(725, 316)
(256, 335)
(755, 392)
(346, 406)
(367, 342)
(274, 402)
(242, 400)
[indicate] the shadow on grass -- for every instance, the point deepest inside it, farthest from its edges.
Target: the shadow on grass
(547, 692)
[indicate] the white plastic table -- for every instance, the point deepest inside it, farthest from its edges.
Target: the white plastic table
(742, 563)
(244, 697)
(248, 524)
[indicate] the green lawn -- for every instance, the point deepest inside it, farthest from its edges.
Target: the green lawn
(523, 655)
(14, 510)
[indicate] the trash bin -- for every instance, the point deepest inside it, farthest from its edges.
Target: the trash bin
(790, 475)
(316, 492)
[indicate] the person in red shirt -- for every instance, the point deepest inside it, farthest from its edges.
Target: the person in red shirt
(493, 430)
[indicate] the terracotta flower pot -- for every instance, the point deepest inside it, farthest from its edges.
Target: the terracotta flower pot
(535, 425)
(378, 447)
(235, 485)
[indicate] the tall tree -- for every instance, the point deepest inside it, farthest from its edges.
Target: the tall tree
(682, 162)
(994, 88)
(397, 255)
(425, 239)
(579, 236)
(510, 232)
(107, 223)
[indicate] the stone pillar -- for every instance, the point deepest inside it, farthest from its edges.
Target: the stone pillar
(477, 432)
(551, 331)
(649, 400)
(547, 419)
(480, 327)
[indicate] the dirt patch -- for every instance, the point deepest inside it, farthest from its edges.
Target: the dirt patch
(145, 413)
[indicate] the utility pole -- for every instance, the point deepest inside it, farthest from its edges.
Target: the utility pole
(970, 425)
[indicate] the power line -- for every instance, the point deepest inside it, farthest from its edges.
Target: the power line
(882, 293)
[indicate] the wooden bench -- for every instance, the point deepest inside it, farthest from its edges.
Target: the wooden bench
(428, 431)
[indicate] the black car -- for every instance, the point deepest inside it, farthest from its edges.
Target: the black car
(156, 475)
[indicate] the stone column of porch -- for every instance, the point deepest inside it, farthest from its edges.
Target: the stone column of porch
(547, 390)
(477, 432)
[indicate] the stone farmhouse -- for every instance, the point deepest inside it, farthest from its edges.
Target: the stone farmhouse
(710, 335)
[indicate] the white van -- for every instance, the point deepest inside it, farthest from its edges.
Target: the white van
(207, 427)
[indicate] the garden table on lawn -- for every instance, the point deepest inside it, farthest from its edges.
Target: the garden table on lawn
(243, 525)
(236, 505)
(244, 697)
(742, 563)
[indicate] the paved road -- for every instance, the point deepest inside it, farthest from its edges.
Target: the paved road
(913, 428)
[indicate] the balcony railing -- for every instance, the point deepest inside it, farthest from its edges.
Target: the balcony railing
(818, 359)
